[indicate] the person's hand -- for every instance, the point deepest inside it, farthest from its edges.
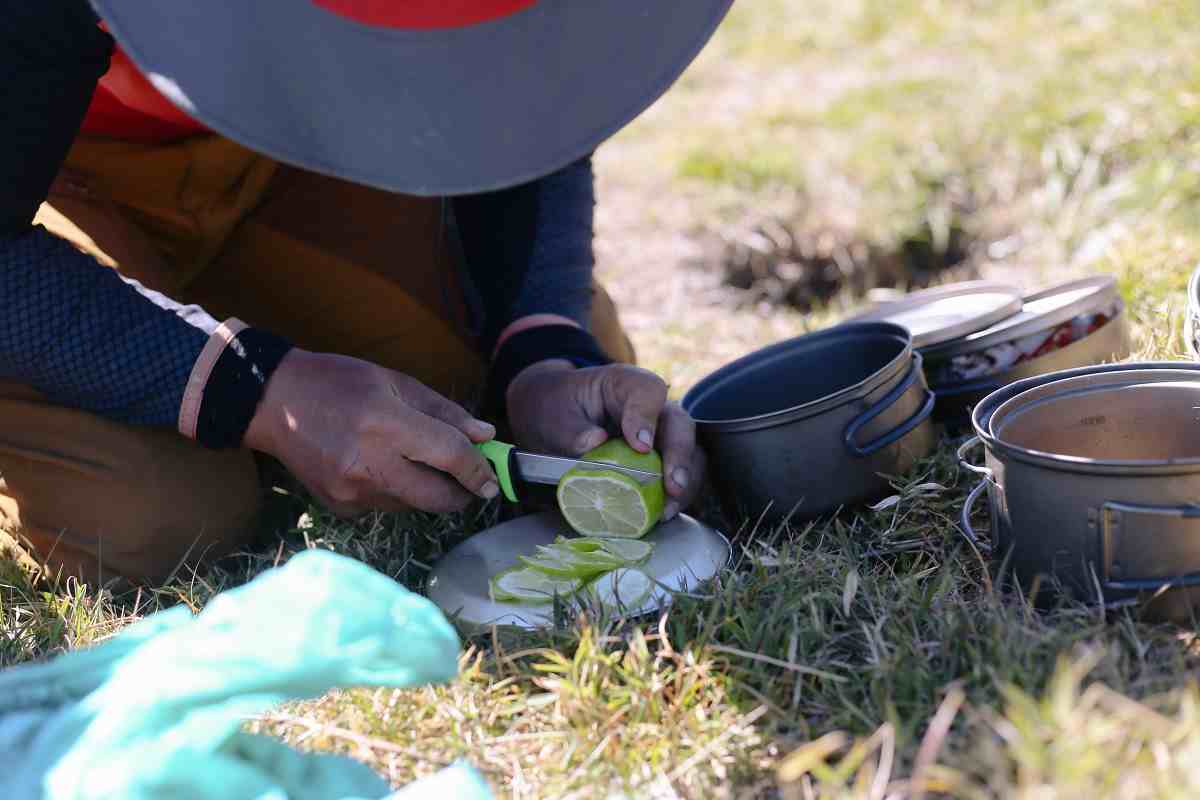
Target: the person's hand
(362, 437)
(553, 407)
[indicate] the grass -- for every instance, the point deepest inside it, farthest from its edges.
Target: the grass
(869, 655)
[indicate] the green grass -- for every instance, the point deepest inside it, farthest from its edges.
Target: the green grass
(870, 655)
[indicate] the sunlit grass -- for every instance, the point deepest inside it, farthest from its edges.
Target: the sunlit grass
(869, 655)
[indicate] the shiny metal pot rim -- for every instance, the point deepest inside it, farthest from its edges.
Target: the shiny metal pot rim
(1109, 376)
(904, 359)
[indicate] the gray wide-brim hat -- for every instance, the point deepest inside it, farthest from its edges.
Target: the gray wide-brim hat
(424, 97)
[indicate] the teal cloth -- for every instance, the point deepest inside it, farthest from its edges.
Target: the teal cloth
(157, 711)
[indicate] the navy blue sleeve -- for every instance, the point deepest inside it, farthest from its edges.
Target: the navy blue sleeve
(72, 328)
(84, 337)
(529, 251)
(528, 248)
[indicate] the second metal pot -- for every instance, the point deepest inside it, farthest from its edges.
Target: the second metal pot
(814, 423)
(1093, 480)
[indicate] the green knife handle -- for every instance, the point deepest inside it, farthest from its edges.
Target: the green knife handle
(500, 454)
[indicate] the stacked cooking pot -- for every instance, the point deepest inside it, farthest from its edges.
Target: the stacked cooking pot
(978, 337)
(1093, 482)
(823, 421)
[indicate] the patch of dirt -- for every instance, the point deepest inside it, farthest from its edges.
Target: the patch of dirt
(781, 264)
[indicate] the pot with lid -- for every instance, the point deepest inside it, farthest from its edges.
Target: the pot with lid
(814, 423)
(1093, 483)
(993, 342)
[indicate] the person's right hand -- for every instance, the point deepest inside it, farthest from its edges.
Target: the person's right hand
(362, 437)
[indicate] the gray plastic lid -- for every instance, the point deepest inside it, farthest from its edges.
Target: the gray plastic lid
(1043, 309)
(945, 313)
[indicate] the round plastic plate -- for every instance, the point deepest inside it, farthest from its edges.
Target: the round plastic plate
(686, 554)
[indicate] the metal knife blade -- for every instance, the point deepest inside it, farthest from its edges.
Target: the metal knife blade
(538, 468)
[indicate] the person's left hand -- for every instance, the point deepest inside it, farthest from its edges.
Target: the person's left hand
(554, 407)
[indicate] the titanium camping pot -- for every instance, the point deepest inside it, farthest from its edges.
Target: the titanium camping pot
(809, 425)
(1093, 482)
(1073, 324)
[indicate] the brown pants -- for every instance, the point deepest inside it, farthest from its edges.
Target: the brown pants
(333, 266)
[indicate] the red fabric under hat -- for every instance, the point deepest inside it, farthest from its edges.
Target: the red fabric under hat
(127, 106)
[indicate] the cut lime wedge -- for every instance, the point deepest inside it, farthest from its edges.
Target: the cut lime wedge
(522, 585)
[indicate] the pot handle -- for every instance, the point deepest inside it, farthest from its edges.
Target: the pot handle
(964, 521)
(965, 463)
(888, 400)
(1137, 539)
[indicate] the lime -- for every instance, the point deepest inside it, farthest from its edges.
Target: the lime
(586, 557)
(607, 503)
(552, 567)
(622, 589)
(630, 551)
(520, 585)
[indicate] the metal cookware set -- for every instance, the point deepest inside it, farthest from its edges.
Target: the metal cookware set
(1091, 468)
(822, 421)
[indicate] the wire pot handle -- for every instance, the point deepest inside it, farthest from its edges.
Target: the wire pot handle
(964, 462)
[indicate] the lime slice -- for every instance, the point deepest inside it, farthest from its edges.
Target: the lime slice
(584, 559)
(551, 567)
(622, 589)
(584, 545)
(519, 585)
(581, 568)
(630, 551)
(607, 503)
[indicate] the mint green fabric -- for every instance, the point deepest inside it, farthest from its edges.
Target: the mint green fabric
(157, 711)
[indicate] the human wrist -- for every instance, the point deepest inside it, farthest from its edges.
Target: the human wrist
(543, 347)
(528, 322)
(269, 423)
(228, 383)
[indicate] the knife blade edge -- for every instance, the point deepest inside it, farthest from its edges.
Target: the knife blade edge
(538, 468)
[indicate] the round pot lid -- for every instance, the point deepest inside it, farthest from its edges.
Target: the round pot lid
(1040, 310)
(686, 554)
(938, 315)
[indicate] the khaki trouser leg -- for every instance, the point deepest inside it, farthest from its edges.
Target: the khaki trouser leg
(100, 500)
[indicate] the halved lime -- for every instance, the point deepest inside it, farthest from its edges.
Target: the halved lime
(608, 503)
(522, 585)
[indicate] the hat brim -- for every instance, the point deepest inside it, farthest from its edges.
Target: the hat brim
(424, 112)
